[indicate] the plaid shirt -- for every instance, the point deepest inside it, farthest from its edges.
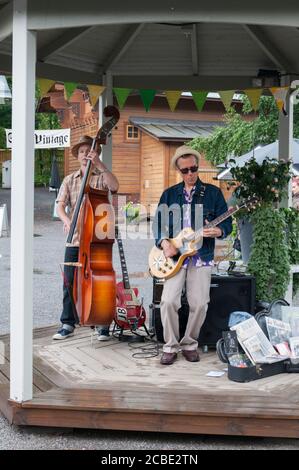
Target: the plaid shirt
(69, 192)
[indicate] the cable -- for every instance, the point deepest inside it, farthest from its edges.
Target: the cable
(152, 349)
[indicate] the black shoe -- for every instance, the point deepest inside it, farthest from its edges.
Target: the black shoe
(168, 358)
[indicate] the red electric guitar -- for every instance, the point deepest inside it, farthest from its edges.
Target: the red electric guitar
(130, 313)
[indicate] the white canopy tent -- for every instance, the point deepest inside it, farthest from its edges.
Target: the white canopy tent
(259, 154)
(186, 45)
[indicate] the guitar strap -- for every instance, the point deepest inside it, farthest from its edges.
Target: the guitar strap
(202, 193)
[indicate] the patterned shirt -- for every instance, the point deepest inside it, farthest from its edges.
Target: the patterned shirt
(69, 192)
(296, 201)
(195, 259)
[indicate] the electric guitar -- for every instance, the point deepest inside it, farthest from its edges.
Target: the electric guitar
(187, 243)
(130, 313)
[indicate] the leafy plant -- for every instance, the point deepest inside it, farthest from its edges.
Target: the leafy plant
(131, 211)
(268, 181)
(291, 217)
(238, 135)
(269, 260)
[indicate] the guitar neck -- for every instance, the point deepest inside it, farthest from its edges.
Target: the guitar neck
(123, 263)
(218, 220)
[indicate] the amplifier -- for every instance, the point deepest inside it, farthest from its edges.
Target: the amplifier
(227, 294)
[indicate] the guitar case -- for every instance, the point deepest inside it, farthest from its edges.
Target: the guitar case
(258, 371)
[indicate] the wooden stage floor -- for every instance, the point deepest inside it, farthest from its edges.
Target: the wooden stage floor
(100, 385)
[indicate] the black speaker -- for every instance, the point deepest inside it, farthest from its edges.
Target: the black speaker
(227, 294)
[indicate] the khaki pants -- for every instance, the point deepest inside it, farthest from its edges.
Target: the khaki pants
(198, 282)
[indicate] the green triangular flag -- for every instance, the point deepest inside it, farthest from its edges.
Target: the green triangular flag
(226, 97)
(199, 98)
(147, 97)
(69, 88)
(122, 95)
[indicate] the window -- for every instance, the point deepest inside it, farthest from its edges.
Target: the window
(76, 109)
(132, 132)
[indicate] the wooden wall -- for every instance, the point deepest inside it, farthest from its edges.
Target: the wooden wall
(126, 158)
(153, 170)
(5, 154)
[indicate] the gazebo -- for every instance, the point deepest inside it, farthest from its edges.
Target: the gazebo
(177, 45)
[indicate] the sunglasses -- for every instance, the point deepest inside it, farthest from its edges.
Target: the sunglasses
(185, 171)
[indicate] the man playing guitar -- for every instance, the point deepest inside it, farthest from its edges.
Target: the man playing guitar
(184, 204)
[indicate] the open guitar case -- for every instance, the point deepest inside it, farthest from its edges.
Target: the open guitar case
(258, 371)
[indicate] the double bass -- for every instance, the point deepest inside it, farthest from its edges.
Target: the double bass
(94, 289)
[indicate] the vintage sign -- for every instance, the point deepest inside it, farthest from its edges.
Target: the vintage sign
(46, 139)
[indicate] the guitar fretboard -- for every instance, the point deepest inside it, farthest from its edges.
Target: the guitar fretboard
(219, 219)
(123, 263)
(222, 217)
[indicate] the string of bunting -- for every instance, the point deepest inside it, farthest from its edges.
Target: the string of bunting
(172, 96)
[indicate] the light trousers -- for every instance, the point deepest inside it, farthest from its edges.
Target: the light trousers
(198, 280)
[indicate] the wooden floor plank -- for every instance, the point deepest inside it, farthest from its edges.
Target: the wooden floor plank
(101, 385)
(95, 400)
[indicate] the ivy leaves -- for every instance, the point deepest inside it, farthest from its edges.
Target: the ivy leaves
(269, 260)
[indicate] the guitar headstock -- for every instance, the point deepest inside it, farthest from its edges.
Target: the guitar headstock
(250, 203)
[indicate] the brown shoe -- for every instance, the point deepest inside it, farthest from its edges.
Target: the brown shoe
(191, 356)
(168, 358)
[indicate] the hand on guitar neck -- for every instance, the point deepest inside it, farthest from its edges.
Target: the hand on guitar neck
(212, 232)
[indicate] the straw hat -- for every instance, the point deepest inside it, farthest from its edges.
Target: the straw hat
(184, 150)
(84, 140)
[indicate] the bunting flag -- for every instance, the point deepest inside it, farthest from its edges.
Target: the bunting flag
(95, 92)
(226, 97)
(254, 95)
(280, 94)
(69, 88)
(147, 97)
(199, 98)
(122, 95)
(173, 98)
(44, 85)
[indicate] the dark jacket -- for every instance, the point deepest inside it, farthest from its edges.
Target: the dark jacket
(214, 205)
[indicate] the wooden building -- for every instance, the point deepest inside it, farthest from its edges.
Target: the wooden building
(143, 142)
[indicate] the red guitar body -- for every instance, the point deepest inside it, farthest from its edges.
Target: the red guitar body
(130, 313)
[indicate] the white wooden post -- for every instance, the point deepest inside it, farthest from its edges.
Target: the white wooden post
(285, 143)
(107, 100)
(21, 303)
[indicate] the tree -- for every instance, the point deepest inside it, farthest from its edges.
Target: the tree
(42, 121)
(239, 136)
(5, 122)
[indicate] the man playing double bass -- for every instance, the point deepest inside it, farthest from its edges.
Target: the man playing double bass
(182, 204)
(101, 178)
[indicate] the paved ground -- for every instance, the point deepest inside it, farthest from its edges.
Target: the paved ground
(48, 252)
